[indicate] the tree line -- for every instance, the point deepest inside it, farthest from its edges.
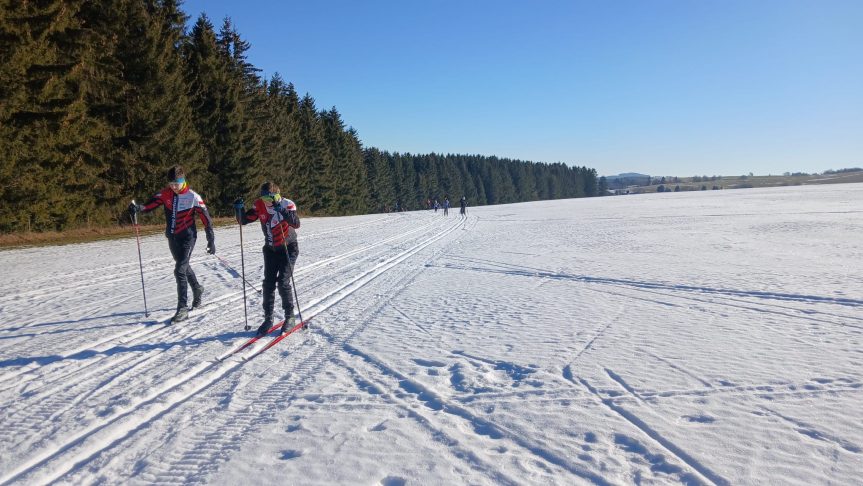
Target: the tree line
(99, 97)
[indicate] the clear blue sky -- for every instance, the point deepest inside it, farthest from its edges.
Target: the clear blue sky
(663, 87)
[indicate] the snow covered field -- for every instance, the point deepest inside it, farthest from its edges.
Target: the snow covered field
(699, 338)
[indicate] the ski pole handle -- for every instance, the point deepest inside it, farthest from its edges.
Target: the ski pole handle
(134, 214)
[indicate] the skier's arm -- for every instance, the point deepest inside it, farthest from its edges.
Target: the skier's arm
(289, 211)
(154, 202)
(207, 221)
(249, 217)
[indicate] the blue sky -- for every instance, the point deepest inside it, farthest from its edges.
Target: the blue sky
(665, 87)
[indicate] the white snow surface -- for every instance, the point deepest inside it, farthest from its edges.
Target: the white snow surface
(698, 338)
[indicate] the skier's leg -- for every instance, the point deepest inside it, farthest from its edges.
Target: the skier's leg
(180, 251)
(269, 288)
(197, 289)
(284, 285)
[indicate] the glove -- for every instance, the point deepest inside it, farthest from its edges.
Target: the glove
(135, 208)
(238, 209)
(211, 247)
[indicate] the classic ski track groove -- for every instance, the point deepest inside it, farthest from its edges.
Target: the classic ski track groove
(48, 287)
(436, 431)
(431, 399)
(208, 446)
(425, 421)
(45, 283)
(112, 430)
(158, 326)
(704, 474)
(56, 396)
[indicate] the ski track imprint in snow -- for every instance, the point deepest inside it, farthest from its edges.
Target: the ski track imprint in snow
(602, 352)
(181, 389)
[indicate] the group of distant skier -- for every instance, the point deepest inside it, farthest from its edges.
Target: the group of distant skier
(436, 205)
(279, 221)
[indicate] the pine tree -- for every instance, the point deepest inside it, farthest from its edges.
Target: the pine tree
(157, 125)
(281, 145)
(58, 75)
(380, 179)
(346, 175)
(312, 169)
(225, 105)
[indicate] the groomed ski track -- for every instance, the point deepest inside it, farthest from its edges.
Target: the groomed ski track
(65, 451)
(555, 342)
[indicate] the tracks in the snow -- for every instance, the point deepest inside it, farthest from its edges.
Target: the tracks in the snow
(127, 418)
(155, 328)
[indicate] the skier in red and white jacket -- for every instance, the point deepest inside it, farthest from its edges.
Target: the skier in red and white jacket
(181, 205)
(279, 220)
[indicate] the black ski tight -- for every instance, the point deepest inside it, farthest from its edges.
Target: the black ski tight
(277, 274)
(181, 249)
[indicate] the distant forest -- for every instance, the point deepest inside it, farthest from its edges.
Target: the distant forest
(99, 98)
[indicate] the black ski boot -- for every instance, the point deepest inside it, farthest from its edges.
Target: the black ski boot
(265, 327)
(196, 296)
(181, 315)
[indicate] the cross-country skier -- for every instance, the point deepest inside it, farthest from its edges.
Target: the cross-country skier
(181, 204)
(446, 206)
(463, 204)
(279, 220)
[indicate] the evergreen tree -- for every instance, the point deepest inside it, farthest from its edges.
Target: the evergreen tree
(314, 189)
(281, 145)
(346, 175)
(58, 76)
(98, 97)
(156, 129)
(226, 105)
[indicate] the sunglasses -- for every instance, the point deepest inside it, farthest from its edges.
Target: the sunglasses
(271, 197)
(177, 184)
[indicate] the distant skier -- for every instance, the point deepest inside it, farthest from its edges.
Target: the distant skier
(181, 204)
(463, 204)
(436, 205)
(279, 220)
(446, 206)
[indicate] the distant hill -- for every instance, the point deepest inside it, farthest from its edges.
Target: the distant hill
(625, 175)
(700, 183)
(627, 179)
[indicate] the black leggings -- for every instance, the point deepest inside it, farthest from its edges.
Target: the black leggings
(278, 265)
(181, 249)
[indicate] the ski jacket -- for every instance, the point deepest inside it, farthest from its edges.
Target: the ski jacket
(278, 221)
(180, 211)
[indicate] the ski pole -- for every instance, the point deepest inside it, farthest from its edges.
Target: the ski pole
(134, 217)
(243, 267)
(293, 284)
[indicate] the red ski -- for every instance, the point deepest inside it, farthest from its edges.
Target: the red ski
(251, 341)
(301, 325)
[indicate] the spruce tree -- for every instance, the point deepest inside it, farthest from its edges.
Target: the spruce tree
(314, 188)
(225, 108)
(157, 125)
